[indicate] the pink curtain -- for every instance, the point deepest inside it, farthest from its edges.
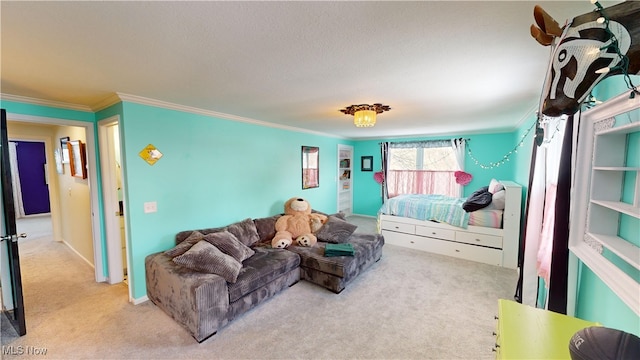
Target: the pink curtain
(421, 182)
(545, 246)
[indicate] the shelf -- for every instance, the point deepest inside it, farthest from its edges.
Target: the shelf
(619, 207)
(624, 129)
(624, 286)
(621, 247)
(616, 168)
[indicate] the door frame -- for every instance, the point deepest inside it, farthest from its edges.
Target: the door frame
(92, 177)
(111, 221)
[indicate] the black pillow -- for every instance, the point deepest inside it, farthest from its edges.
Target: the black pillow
(481, 198)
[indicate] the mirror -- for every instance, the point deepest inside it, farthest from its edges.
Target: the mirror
(310, 167)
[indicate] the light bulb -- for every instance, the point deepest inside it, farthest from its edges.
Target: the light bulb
(600, 20)
(604, 70)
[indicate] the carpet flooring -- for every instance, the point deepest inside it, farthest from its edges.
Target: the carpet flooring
(409, 305)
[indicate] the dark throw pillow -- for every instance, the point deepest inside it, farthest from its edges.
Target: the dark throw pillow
(266, 228)
(185, 245)
(335, 230)
(245, 231)
(481, 198)
(204, 257)
(230, 245)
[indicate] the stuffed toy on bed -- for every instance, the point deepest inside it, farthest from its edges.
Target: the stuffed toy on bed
(297, 225)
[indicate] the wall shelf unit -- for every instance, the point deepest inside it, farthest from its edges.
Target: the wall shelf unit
(345, 179)
(608, 172)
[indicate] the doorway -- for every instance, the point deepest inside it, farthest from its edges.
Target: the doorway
(113, 198)
(85, 220)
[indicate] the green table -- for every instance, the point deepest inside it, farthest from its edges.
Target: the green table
(525, 332)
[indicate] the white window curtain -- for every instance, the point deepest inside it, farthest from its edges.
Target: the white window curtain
(459, 148)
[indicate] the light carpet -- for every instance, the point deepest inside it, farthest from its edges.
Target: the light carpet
(409, 305)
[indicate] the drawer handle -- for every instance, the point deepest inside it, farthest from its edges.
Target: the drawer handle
(495, 334)
(397, 227)
(433, 233)
(457, 250)
(496, 317)
(478, 240)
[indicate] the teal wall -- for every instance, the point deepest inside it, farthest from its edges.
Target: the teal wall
(46, 111)
(485, 148)
(213, 172)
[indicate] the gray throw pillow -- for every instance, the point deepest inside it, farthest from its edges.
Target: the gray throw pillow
(185, 245)
(266, 228)
(230, 245)
(245, 231)
(204, 257)
(335, 230)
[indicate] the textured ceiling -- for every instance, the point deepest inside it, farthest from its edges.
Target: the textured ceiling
(443, 67)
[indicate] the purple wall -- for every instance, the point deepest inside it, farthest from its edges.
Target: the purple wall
(35, 191)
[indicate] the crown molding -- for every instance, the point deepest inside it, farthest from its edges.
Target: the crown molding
(210, 113)
(120, 97)
(41, 102)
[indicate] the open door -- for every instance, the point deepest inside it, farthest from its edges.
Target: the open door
(10, 276)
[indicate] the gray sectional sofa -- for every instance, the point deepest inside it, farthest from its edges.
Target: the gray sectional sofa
(203, 295)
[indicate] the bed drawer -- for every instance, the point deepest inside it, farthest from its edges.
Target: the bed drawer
(479, 239)
(399, 227)
(435, 233)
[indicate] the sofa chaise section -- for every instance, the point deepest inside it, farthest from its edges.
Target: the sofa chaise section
(335, 273)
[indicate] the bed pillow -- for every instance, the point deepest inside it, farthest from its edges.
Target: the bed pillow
(185, 245)
(335, 230)
(497, 200)
(480, 198)
(230, 245)
(204, 257)
(495, 186)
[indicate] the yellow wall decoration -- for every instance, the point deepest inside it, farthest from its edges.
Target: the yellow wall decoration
(150, 154)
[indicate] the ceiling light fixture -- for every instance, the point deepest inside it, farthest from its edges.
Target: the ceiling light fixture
(365, 115)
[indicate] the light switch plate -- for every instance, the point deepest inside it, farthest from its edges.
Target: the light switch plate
(150, 207)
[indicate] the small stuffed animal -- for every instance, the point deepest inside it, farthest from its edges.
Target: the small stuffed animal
(297, 225)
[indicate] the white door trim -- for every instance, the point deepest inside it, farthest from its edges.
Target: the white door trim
(92, 175)
(110, 201)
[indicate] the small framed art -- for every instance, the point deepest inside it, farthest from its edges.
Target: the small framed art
(366, 163)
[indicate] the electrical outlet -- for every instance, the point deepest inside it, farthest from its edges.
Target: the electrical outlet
(150, 207)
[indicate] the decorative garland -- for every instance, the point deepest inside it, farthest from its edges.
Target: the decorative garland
(506, 157)
(624, 60)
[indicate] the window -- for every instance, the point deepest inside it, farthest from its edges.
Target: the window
(425, 167)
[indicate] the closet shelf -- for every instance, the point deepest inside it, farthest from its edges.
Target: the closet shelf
(616, 168)
(619, 207)
(624, 249)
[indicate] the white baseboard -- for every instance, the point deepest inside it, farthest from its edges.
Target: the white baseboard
(80, 255)
(139, 300)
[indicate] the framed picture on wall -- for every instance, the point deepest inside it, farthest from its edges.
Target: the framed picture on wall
(77, 159)
(65, 149)
(366, 163)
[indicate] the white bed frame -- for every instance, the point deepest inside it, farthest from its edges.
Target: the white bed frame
(487, 245)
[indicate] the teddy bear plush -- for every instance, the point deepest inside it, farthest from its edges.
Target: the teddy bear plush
(297, 225)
